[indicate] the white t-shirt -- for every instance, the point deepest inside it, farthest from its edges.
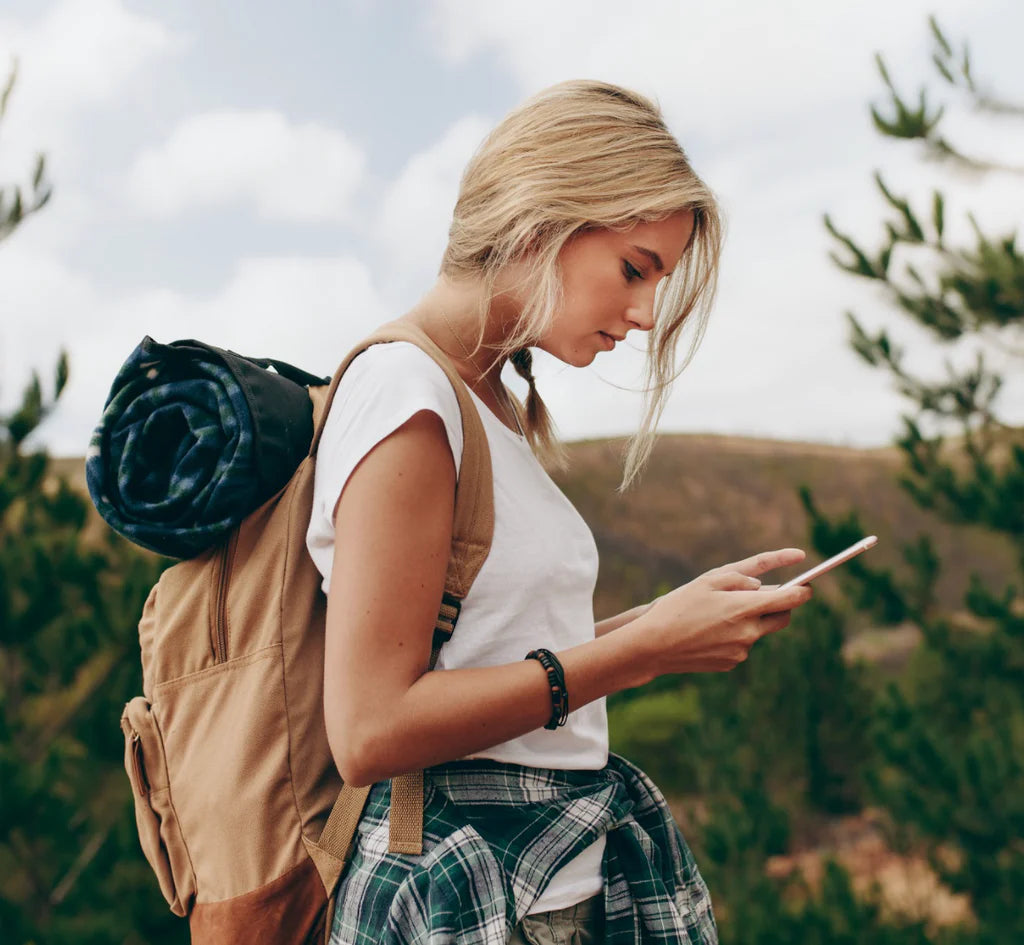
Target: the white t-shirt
(534, 590)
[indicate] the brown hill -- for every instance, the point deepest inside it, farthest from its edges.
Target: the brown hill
(705, 500)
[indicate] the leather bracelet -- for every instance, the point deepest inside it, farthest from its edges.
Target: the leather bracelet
(556, 681)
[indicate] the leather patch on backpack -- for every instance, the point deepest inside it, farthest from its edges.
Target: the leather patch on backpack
(295, 902)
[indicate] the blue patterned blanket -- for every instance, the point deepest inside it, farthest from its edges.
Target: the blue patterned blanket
(191, 440)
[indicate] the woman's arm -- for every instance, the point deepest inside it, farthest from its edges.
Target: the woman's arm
(386, 714)
(620, 620)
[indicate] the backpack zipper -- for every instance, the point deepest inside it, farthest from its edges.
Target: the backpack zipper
(138, 766)
(220, 601)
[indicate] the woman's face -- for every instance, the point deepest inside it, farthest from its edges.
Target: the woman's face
(609, 279)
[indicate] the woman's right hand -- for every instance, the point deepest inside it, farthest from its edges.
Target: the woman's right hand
(710, 624)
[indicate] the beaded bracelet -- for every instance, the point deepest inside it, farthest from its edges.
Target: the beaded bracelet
(556, 680)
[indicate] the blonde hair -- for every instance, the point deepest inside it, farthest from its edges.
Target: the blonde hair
(583, 155)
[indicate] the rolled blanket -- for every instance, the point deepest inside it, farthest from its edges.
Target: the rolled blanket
(192, 439)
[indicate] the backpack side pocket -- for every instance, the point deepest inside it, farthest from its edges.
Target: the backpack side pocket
(159, 831)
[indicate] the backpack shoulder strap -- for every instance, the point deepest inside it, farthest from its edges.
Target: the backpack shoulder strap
(473, 523)
(472, 531)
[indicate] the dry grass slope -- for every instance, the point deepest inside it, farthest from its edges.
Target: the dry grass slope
(705, 500)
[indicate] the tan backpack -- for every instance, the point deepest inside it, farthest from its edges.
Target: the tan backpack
(240, 808)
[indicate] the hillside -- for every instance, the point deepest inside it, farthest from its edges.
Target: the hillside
(705, 500)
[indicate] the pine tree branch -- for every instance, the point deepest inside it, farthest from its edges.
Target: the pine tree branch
(921, 122)
(950, 734)
(28, 859)
(993, 337)
(939, 149)
(13, 208)
(995, 106)
(961, 290)
(958, 74)
(84, 858)
(68, 702)
(6, 93)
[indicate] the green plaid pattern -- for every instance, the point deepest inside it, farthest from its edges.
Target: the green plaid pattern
(493, 836)
(171, 464)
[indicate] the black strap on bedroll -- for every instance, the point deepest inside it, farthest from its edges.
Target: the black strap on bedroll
(282, 414)
(285, 369)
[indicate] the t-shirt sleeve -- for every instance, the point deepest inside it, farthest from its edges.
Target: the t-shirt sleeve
(382, 388)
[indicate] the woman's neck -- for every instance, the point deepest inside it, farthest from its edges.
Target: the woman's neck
(450, 313)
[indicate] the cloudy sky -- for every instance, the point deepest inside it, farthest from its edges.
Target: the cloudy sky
(278, 178)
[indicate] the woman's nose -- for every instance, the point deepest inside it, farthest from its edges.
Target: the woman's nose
(640, 314)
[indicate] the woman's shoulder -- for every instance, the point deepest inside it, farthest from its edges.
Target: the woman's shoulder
(398, 363)
(384, 386)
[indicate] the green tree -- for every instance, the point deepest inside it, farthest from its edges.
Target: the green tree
(13, 206)
(951, 734)
(69, 857)
(754, 757)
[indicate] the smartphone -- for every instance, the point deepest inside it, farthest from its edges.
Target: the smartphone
(820, 569)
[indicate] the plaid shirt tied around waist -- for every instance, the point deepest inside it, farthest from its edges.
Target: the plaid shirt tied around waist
(493, 836)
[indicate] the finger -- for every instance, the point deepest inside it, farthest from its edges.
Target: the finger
(733, 581)
(766, 561)
(773, 623)
(765, 602)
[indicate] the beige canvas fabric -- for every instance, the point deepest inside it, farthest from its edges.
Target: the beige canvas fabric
(240, 808)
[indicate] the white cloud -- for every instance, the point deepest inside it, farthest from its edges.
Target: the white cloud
(770, 100)
(776, 360)
(78, 55)
(288, 172)
(308, 311)
(715, 67)
(775, 104)
(416, 209)
(77, 60)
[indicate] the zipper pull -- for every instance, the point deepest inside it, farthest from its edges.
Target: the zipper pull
(138, 765)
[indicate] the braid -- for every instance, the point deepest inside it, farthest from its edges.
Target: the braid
(539, 427)
(522, 361)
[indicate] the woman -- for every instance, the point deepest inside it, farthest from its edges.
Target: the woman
(578, 221)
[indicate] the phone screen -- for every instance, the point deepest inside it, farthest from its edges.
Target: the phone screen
(829, 564)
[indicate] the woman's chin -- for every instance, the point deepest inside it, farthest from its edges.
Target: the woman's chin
(574, 357)
(579, 358)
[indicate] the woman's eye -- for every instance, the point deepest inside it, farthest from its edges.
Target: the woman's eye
(631, 272)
